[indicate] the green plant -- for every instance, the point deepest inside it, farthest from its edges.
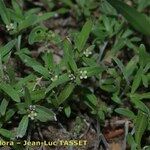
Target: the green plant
(101, 65)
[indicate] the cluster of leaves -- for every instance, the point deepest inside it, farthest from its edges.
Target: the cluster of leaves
(36, 89)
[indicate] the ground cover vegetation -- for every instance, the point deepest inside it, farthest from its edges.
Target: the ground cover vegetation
(82, 66)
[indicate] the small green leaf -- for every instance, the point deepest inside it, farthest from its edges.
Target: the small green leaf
(4, 13)
(42, 70)
(137, 80)
(3, 107)
(131, 142)
(16, 7)
(121, 67)
(27, 96)
(116, 98)
(140, 105)
(144, 56)
(140, 127)
(69, 55)
(83, 35)
(65, 93)
(49, 61)
(145, 80)
(9, 114)
(141, 96)
(62, 79)
(38, 34)
(8, 89)
(101, 115)
(44, 114)
(22, 128)
(92, 99)
(7, 48)
(125, 112)
(130, 67)
(67, 111)
(27, 22)
(1, 68)
(44, 17)
(6, 133)
(37, 95)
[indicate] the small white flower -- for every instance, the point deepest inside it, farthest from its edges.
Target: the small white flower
(83, 74)
(72, 77)
(32, 115)
(54, 78)
(10, 27)
(32, 107)
(56, 15)
(32, 112)
(55, 118)
(88, 51)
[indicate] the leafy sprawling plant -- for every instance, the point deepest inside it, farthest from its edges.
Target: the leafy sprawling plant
(104, 57)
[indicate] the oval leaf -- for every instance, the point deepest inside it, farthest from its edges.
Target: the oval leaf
(22, 128)
(8, 89)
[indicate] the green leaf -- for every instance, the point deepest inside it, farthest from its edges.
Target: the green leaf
(44, 114)
(27, 22)
(16, 7)
(69, 55)
(140, 127)
(62, 79)
(67, 111)
(8, 89)
(27, 60)
(139, 21)
(22, 108)
(37, 35)
(65, 93)
(125, 112)
(4, 13)
(31, 62)
(9, 114)
(23, 81)
(7, 48)
(91, 98)
(1, 68)
(22, 128)
(6, 133)
(141, 96)
(130, 67)
(101, 115)
(137, 80)
(44, 17)
(109, 88)
(42, 70)
(83, 35)
(144, 56)
(3, 107)
(140, 105)
(145, 80)
(131, 142)
(27, 96)
(116, 98)
(68, 3)
(48, 59)
(32, 11)
(37, 95)
(121, 67)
